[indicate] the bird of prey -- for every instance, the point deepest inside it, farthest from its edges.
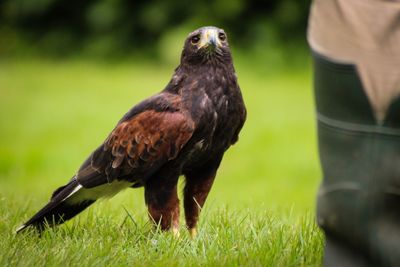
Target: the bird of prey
(183, 130)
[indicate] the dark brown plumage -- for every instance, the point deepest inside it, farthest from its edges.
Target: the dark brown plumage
(183, 130)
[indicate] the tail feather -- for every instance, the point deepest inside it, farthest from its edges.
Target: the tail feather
(59, 209)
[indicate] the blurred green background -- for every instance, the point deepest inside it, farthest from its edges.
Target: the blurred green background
(70, 69)
(118, 28)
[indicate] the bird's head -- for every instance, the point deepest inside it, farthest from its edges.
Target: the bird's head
(206, 45)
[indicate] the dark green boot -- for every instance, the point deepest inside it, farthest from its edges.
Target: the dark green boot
(359, 198)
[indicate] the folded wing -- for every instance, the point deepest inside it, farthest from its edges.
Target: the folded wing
(138, 147)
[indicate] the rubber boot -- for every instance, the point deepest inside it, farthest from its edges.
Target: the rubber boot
(359, 198)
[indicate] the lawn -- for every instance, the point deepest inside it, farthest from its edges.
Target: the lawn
(259, 212)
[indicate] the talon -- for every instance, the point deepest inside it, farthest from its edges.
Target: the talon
(175, 232)
(193, 232)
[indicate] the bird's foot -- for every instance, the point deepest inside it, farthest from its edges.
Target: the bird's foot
(175, 232)
(193, 232)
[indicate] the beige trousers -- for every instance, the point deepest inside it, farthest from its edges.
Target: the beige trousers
(365, 33)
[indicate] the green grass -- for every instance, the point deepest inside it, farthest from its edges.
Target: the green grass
(259, 212)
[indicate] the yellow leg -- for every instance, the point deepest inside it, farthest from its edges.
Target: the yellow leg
(175, 231)
(193, 232)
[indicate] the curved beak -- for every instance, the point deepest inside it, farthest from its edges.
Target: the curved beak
(210, 40)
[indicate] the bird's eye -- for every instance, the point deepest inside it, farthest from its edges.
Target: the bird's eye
(222, 36)
(195, 39)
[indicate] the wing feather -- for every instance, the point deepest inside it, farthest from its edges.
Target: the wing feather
(138, 146)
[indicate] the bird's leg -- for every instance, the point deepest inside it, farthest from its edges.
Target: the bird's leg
(195, 193)
(163, 204)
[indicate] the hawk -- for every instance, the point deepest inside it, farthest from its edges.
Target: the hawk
(183, 130)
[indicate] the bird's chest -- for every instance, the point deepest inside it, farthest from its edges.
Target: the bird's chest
(216, 106)
(228, 114)
(221, 121)
(216, 130)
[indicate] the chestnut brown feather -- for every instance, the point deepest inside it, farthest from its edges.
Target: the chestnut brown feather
(149, 137)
